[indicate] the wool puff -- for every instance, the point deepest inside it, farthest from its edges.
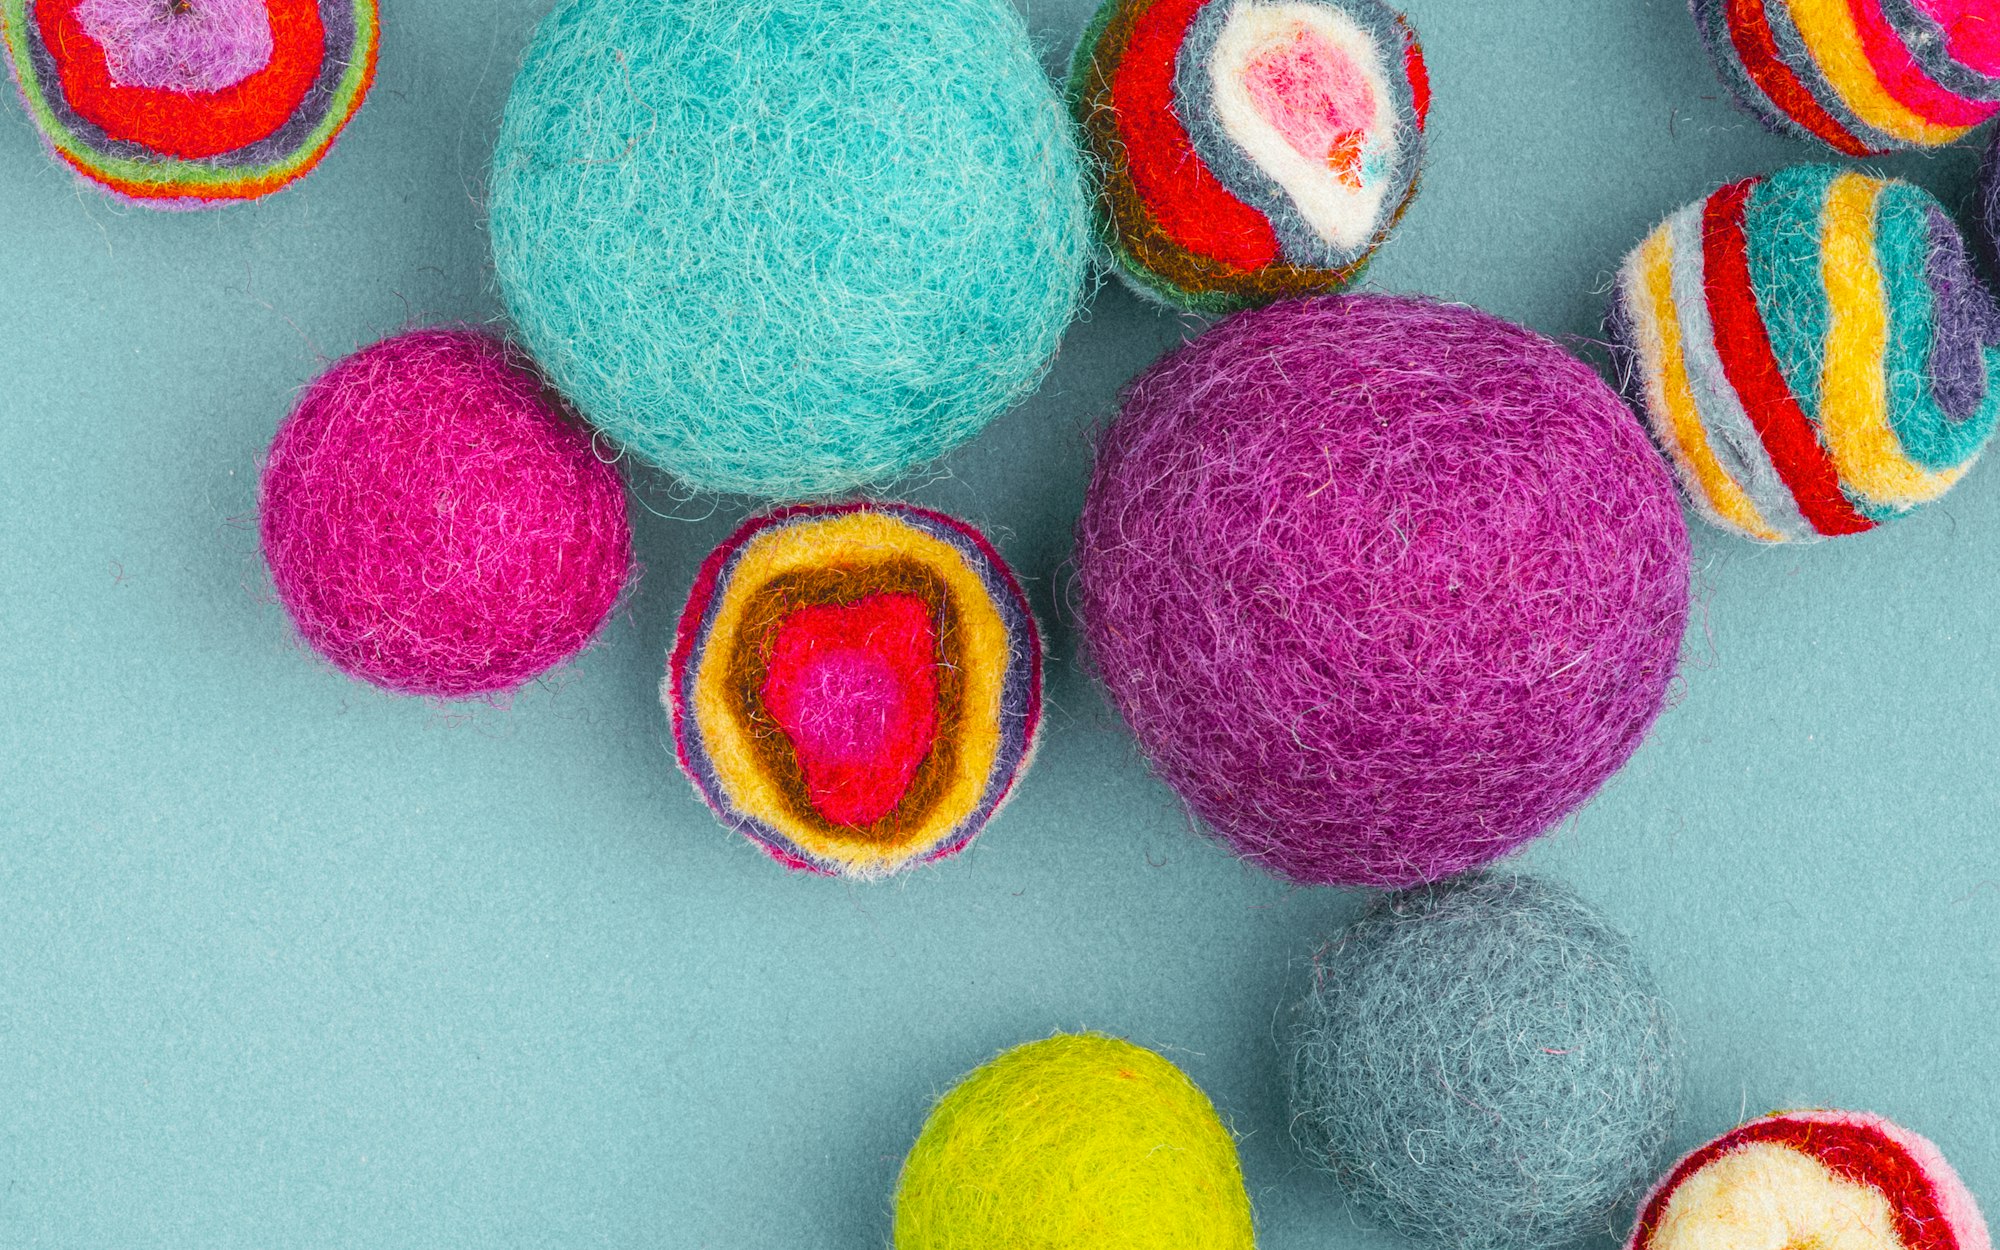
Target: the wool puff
(1812, 351)
(1485, 1065)
(1834, 1180)
(1384, 587)
(1860, 76)
(191, 103)
(1248, 150)
(856, 688)
(437, 522)
(1079, 1142)
(788, 248)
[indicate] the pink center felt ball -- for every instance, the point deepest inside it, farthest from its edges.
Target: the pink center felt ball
(437, 523)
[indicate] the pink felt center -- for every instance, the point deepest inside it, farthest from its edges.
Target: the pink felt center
(1972, 31)
(179, 45)
(1316, 97)
(854, 689)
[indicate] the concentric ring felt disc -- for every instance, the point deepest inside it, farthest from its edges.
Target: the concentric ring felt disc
(855, 688)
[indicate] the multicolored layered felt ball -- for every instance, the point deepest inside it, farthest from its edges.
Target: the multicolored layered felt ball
(438, 523)
(1861, 76)
(1079, 1142)
(1833, 1180)
(788, 250)
(856, 688)
(191, 103)
(1385, 588)
(1486, 1064)
(1812, 350)
(1249, 150)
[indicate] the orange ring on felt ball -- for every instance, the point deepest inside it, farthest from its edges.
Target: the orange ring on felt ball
(190, 125)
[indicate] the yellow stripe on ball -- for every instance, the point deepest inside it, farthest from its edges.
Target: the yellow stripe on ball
(1854, 387)
(1670, 406)
(1834, 42)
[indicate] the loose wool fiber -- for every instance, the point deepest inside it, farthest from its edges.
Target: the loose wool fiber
(1248, 150)
(1860, 76)
(1485, 1064)
(437, 523)
(788, 247)
(1080, 1142)
(1832, 1180)
(1384, 587)
(1812, 350)
(191, 103)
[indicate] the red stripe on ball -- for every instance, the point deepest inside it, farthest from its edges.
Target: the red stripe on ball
(1752, 367)
(1419, 73)
(1750, 32)
(1184, 196)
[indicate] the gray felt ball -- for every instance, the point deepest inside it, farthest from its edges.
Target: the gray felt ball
(1485, 1065)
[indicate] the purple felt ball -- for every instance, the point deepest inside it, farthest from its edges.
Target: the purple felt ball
(1384, 587)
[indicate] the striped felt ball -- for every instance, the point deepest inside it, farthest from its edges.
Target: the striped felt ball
(1861, 76)
(1811, 350)
(855, 688)
(1248, 150)
(191, 103)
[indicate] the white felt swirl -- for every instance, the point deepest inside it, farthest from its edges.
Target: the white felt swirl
(1339, 194)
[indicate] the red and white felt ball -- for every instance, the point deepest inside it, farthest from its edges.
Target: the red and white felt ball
(1829, 1180)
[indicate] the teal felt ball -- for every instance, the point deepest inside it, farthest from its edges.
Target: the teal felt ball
(788, 248)
(1486, 1064)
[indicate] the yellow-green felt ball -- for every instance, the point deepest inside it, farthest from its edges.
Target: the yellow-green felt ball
(1080, 1141)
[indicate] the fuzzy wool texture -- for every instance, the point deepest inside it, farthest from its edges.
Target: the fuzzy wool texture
(1989, 202)
(1485, 1064)
(856, 688)
(1243, 151)
(1811, 350)
(1384, 587)
(1079, 1142)
(191, 104)
(787, 248)
(184, 47)
(1834, 1180)
(437, 523)
(1861, 76)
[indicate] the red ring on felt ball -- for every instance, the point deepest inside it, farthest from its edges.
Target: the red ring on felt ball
(436, 522)
(191, 125)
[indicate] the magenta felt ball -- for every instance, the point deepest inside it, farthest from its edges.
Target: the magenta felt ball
(437, 523)
(1384, 587)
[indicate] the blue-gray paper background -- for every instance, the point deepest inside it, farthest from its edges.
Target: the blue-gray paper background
(286, 962)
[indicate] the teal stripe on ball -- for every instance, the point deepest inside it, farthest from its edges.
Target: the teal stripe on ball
(1782, 225)
(788, 248)
(1903, 245)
